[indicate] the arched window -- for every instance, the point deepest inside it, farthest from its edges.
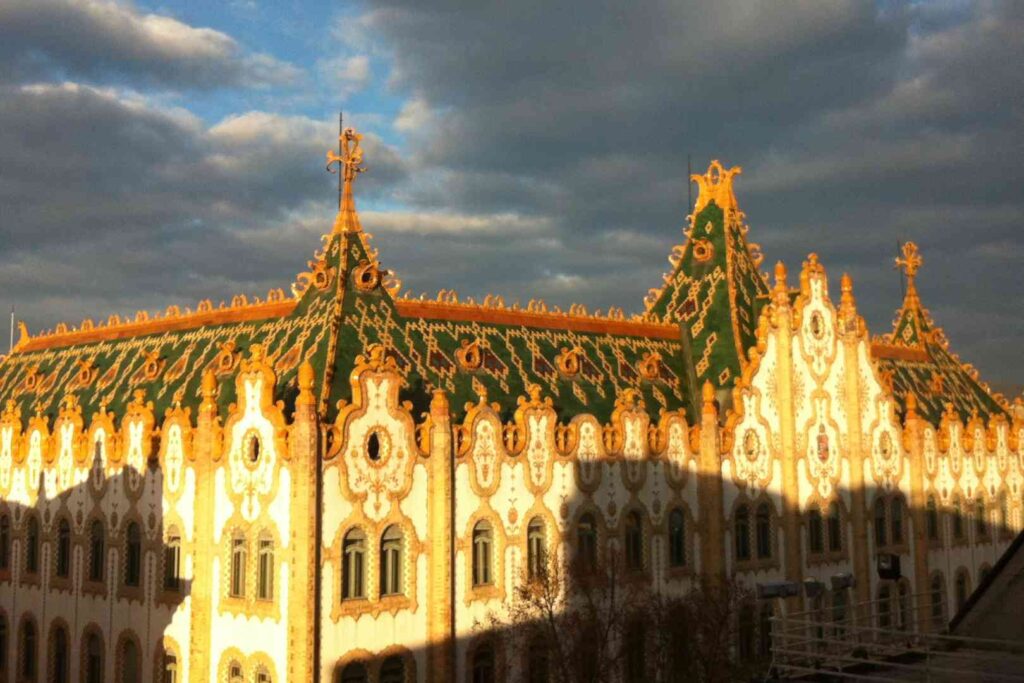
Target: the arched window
(938, 613)
(354, 672)
(392, 670)
(62, 565)
(932, 519)
(764, 631)
(5, 542)
(263, 676)
(3, 643)
(958, 520)
(172, 561)
(815, 533)
(884, 603)
(677, 538)
(634, 541)
(635, 666)
(483, 664)
(745, 644)
(741, 530)
(903, 605)
(586, 543)
(353, 581)
(32, 545)
(896, 520)
(133, 555)
(981, 525)
(483, 540)
(839, 612)
(60, 656)
(536, 554)
(93, 659)
(879, 522)
(239, 552)
(28, 651)
(962, 589)
(97, 550)
(170, 668)
(538, 665)
(235, 674)
(835, 529)
(130, 671)
(391, 561)
(764, 532)
(265, 566)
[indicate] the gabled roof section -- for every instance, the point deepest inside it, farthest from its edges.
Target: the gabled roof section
(917, 359)
(166, 355)
(715, 291)
(489, 350)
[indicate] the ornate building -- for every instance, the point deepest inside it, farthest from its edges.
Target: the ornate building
(343, 483)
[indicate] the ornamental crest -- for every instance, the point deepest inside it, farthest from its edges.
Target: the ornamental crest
(885, 455)
(823, 456)
(375, 436)
(751, 453)
(254, 434)
(588, 450)
(677, 452)
(487, 450)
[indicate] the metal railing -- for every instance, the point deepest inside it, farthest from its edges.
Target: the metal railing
(811, 644)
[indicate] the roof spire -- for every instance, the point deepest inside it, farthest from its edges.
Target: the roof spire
(349, 159)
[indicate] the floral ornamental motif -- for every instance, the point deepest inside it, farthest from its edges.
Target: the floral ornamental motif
(703, 250)
(486, 450)
(367, 276)
(152, 366)
(254, 434)
(469, 355)
(588, 450)
(569, 361)
(10, 429)
(37, 436)
(676, 452)
(87, 373)
(650, 366)
(823, 455)
(67, 429)
(136, 442)
(751, 453)
(226, 360)
(174, 460)
(818, 326)
(886, 456)
(381, 478)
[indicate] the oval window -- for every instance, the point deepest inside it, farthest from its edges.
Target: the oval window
(254, 448)
(373, 447)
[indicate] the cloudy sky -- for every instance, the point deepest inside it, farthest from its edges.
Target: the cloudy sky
(162, 152)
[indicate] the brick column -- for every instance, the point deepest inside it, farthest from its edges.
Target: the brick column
(441, 624)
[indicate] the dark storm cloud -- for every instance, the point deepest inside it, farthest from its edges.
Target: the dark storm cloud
(858, 124)
(110, 204)
(100, 39)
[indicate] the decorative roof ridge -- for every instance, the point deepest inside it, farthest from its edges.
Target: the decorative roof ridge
(144, 323)
(495, 302)
(536, 314)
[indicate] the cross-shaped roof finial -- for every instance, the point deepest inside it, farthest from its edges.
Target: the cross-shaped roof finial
(911, 260)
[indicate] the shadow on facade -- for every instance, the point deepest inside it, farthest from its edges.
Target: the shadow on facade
(91, 579)
(655, 591)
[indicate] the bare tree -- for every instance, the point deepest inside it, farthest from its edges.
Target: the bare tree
(573, 624)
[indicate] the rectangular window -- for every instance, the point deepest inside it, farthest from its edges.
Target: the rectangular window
(172, 564)
(237, 587)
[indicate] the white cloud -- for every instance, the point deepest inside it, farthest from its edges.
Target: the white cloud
(345, 75)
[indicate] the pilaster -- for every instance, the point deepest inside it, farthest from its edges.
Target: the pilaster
(709, 491)
(303, 442)
(914, 447)
(205, 445)
(851, 331)
(440, 596)
(787, 431)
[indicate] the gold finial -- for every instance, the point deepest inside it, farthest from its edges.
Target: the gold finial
(715, 185)
(209, 391)
(707, 394)
(349, 162)
(846, 301)
(911, 260)
(781, 294)
(911, 405)
(306, 381)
